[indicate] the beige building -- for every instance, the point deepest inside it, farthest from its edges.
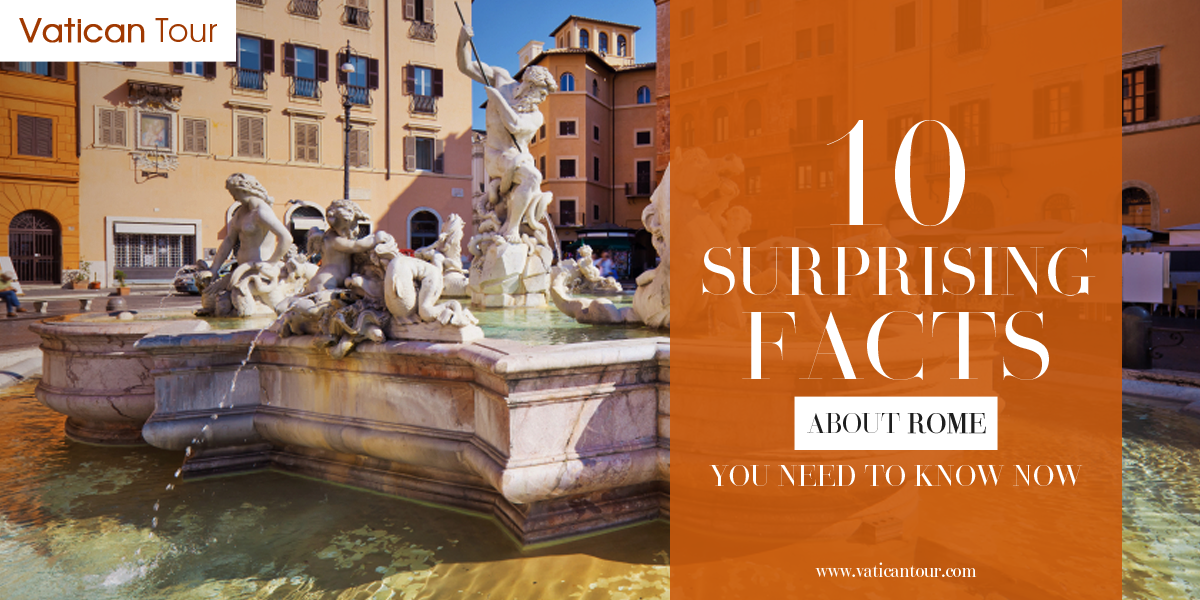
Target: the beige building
(159, 139)
(1160, 114)
(597, 150)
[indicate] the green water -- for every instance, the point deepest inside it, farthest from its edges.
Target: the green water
(77, 521)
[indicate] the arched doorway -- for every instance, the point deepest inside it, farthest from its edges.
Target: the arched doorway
(35, 247)
(301, 221)
(422, 229)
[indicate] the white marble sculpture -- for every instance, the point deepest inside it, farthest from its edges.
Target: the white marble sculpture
(257, 284)
(584, 277)
(446, 254)
(511, 256)
(367, 291)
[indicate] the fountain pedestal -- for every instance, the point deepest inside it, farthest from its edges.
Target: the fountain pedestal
(509, 275)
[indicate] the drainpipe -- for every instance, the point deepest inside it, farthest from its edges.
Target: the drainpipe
(612, 147)
(387, 93)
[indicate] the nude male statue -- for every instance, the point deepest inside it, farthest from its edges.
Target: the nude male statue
(513, 119)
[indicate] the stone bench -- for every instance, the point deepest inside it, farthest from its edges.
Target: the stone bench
(42, 305)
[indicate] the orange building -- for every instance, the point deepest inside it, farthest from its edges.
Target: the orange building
(39, 169)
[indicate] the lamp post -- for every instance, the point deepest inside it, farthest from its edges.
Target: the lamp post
(347, 69)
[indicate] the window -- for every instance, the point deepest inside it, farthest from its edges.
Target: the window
(753, 180)
(542, 165)
(595, 133)
(307, 67)
(1058, 208)
(420, 11)
(357, 13)
(753, 57)
(803, 44)
(542, 131)
(720, 124)
(1139, 95)
(154, 132)
(804, 121)
(596, 88)
(195, 135)
(906, 26)
(423, 153)
(687, 24)
(720, 66)
(753, 7)
(110, 127)
(824, 40)
(622, 46)
(970, 25)
(364, 78)
(566, 128)
(595, 168)
(200, 69)
(35, 136)
(251, 136)
(603, 43)
(687, 75)
(1136, 207)
(425, 85)
(642, 138)
(566, 83)
(752, 118)
(1057, 109)
(566, 213)
(584, 38)
(566, 168)
(825, 177)
(825, 118)
(898, 128)
(643, 95)
(57, 70)
(643, 169)
(595, 212)
(306, 136)
(422, 229)
(305, 8)
(689, 131)
(36, 68)
(720, 12)
(804, 176)
(970, 124)
(150, 250)
(255, 58)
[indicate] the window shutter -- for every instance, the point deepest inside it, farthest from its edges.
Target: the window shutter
(257, 136)
(410, 10)
(243, 136)
(129, 64)
(25, 133)
(410, 153)
(1077, 107)
(314, 143)
(177, 68)
(268, 56)
(438, 84)
(289, 60)
(300, 142)
(58, 70)
(44, 136)
(233, 63)
(410, 79)
(118, 128)
(104, 129)
(1151, 92)
(8, 66)
(429, 4)
(439, 154)
(322, 65)
(373, 73)
(210, 70)
(1041, 110)
(341, 75)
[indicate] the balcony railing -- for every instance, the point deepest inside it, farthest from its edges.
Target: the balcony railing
(638, 188)
(423, 105)
(359, 94)
(357, 17)
(420, 30)
(977, 158)
(305, 88)
(306, 8)
(570, 219)
(249, 79)
(259, 3)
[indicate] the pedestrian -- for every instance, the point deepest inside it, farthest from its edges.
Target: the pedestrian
(605, 264)
(8, 292)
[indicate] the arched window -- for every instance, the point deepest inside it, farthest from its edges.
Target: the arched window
(974, 213)
(720, 124)
(603, 39)
(422, 229)
(1136, 208)
(566, 83)
(622, 48)
(301, 221)
(1058, 208)
(643, 95)
(596, 88)
(583, 38)
(753, 118)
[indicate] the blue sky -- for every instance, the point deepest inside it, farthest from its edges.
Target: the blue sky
(502, 27)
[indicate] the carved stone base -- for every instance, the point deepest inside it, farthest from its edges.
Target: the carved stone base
(104, 433)
(511, 275)
(434, 332)
(508, 300)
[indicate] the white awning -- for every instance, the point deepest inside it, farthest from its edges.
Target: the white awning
(159, 228)
(306, 223)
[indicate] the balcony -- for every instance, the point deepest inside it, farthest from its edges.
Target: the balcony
(423, 105)
(249, 79)
(258, 3)
(570, 219)
(305, 88)
(358, 94)
(305, 8)
(425, 32)
(356, 17)
(639, 189)
(993, 157)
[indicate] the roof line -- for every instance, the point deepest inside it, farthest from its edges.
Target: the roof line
(602, 21)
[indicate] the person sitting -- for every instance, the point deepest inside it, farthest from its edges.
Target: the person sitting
(8, 292)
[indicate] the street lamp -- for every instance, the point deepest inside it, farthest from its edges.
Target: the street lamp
(347, 69)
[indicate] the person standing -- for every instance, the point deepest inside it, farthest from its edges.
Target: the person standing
(8, 292)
